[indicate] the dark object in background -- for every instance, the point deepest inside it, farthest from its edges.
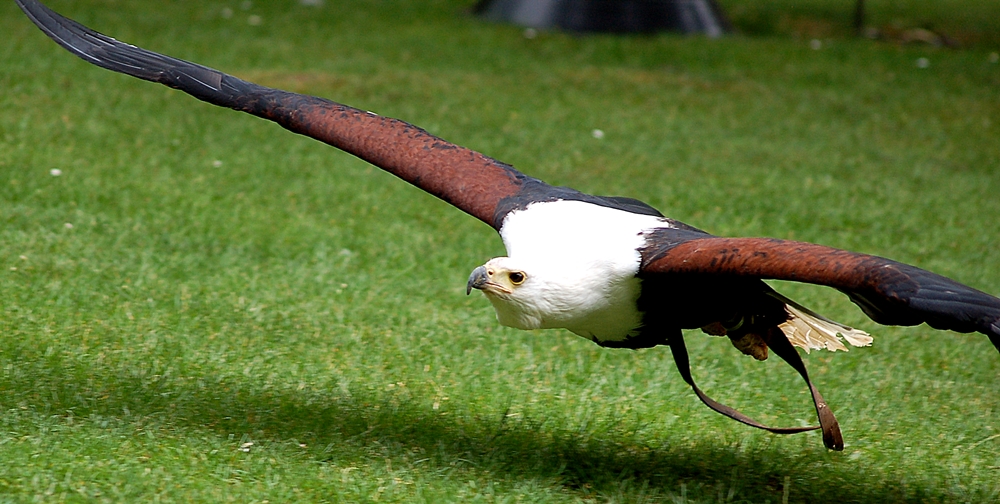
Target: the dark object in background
(616, 16)
(859, 18)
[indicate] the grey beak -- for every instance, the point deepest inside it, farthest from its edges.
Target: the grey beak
(477, 279)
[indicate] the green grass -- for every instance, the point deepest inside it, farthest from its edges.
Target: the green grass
(966, 23)
(197, 280)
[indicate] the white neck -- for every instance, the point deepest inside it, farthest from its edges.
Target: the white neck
(583, 259)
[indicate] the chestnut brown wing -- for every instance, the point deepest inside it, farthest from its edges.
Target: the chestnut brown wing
(474, 183)
(890, 292)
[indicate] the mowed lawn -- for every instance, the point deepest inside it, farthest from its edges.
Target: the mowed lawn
(201, 306)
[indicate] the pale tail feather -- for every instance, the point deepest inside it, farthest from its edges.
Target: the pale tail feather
(811, 331)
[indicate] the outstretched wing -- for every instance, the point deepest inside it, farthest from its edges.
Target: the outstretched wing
(477, 184)
(890, 292)
(474, 183)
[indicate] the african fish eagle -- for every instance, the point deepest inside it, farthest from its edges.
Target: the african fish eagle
(610, 269)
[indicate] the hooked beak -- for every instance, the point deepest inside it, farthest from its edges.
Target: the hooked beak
(477, 280)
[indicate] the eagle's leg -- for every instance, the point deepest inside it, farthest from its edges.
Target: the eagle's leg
(744, 332)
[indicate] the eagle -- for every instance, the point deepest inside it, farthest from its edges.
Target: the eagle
(611, 269)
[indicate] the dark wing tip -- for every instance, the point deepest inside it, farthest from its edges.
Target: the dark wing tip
(107, 52)
(85, 43)
(923, 296)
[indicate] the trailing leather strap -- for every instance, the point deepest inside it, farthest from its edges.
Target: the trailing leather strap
(832, 437)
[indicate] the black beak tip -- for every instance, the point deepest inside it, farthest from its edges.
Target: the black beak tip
(476, 280)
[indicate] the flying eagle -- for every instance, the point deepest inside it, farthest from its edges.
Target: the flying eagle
(610, 269)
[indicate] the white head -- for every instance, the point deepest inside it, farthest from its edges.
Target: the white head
(511, 289)
(531, 295)
(571, 265)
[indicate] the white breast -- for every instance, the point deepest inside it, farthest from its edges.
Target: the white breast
(583, 259)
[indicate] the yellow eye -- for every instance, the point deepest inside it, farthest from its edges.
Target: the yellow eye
(516, 277)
